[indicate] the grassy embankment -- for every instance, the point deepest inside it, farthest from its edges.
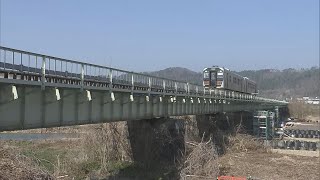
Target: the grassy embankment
(104, 151)
(100, 150)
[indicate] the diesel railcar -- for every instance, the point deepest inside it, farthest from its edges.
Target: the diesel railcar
(223, 78)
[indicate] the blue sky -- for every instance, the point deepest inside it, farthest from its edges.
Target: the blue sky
(152, 35)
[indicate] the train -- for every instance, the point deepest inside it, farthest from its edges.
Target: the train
(222, 78)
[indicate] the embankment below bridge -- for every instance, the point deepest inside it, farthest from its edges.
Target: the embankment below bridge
(187, 147)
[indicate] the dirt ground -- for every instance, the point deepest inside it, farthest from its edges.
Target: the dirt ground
(259, 165)
(268, 166)
(56, 158)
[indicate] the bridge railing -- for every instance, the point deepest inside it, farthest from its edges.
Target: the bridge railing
(59, 68)
(47, 68)
(28, 66)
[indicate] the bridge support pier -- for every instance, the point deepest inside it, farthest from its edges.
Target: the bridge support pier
(217, 126)
(283, 113)
(153, 140)
(244, 119)
(209, 123)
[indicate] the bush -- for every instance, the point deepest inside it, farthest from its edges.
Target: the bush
(201, 162)
(106, 143)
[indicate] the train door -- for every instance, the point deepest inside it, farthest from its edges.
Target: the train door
(213, 78)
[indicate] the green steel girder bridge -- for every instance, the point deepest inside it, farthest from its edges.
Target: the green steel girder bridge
(38, 91)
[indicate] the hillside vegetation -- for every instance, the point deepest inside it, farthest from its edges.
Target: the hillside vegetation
(179, 73)
(272, 83)
(286, 83)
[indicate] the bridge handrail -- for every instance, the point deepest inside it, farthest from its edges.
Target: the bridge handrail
(118, 74)
(110, 74)
(84, 63)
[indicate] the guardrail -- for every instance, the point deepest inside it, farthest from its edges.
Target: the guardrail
(28, 66)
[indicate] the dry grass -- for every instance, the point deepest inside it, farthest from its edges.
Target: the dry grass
(100, 150)
(16, 166)
(244, 143)
(246, 156)
(102, 146)
(240, 141)
(262, 165)
(106, 143)
(201, 162)
(301, 110)
(202, 159)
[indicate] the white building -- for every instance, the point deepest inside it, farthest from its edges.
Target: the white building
(309, 100)
(313, 101)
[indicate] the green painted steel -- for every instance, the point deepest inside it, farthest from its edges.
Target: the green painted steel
(34, 107)
(264, 124)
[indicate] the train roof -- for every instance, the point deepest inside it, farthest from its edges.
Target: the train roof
(212, 68)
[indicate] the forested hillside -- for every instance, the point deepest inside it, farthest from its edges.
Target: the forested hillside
(286, 83)
(271, 83)
(178, 73)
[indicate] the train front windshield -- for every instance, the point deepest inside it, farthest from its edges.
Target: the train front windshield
(206, 75)
(209, 78)
(206, 78)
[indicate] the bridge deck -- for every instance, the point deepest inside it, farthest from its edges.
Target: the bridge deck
(34, 87)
